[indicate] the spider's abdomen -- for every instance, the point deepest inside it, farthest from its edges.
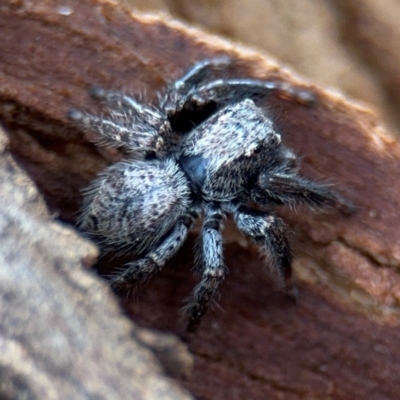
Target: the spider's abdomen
(133, 204)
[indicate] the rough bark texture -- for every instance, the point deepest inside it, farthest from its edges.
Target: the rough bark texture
(341, 339)
(62, 336)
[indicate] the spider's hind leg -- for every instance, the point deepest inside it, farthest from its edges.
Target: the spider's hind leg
(140, 271)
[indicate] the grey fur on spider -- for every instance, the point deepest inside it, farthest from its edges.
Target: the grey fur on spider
(205, 148)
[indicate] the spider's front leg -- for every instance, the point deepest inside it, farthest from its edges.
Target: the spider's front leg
(270, 233)
(225, 91)
(191, 79)
(210, 262)
(181, 118)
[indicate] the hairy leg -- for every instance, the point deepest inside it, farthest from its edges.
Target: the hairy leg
(270, 233)
(139, 271)
(210, 263)
(183, 119)
(224, 91)
(286, 187)
(121, 103)
(129, 124)
(192, 78)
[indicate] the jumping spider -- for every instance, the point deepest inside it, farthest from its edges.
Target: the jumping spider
(206, 148)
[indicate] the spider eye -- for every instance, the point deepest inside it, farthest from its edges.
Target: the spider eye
(258, 149)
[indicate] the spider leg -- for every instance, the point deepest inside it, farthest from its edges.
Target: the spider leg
(211, 264)
(285, 187)
(191, 79)
(138, 130)
(199, 71)
(181, 120)
(270, 233)
(121, 103)
(141, 270)
(224, 91)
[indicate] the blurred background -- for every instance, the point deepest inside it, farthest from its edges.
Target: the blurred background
(349, 45)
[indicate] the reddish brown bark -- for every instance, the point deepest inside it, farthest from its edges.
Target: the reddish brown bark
(340, 340)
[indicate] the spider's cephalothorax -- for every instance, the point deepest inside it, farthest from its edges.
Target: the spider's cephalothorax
(205, 148)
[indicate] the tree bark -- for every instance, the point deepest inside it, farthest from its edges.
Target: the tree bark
(339, 341)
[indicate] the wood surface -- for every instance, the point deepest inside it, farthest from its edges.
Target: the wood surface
(341, 340)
